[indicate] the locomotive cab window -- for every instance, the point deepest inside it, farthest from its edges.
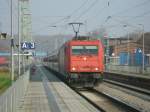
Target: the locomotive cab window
(80, 50)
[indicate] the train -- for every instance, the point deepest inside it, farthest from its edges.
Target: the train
(80, 62)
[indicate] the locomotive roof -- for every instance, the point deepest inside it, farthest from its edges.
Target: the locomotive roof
(83, 42)
(84, 38)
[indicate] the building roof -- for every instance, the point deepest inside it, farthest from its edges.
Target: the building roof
(135, 38)
(146, 39)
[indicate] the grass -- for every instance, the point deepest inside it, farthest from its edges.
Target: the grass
(5, 81)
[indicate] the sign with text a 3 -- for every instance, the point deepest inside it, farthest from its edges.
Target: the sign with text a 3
(27, 45)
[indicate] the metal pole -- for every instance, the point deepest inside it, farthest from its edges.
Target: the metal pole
(116, 47)
(12, 42)
(107, 54)
(127, 45)
(128, 48)
(19, 35)
(22, 36)
(143, 50)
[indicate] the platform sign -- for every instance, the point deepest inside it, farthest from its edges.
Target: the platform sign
(31, 45)
(28, 45)
(138, 50)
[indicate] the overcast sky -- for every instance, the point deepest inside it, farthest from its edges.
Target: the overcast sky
(111, 14)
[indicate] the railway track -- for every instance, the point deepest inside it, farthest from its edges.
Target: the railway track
(106, 102)
(130, 87)
(132, 80)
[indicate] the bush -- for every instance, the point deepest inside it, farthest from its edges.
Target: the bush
(4, 69)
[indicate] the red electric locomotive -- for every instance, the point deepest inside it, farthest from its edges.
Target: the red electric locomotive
(81, 62)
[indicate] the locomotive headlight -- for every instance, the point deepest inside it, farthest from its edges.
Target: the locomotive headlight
(96, 68)
(84, 58)
(73, 68)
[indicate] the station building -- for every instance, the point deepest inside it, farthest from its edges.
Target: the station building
(125, 45)
(128, 47)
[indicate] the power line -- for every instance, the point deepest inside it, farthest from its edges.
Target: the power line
(133, 7)
(141, 15)
(91, 18)
(52, 24)
(134, 17)
(45, 19)
(68, 17)
(98, 12)
(64, 19)
(76, 10)
(121, 22)
(126, 10)
(85, 11)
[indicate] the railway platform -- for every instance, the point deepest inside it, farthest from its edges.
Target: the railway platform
(46, 93)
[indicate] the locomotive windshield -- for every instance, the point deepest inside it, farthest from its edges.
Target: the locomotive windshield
(79, 50)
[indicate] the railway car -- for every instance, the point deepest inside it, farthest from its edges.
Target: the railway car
(80, 62)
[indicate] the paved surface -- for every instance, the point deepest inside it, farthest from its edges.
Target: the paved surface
(35, 99)
(46, 93)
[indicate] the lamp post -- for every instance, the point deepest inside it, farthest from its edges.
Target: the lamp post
(128, 45)
(143, 47)
(12, 42)
(19, 35)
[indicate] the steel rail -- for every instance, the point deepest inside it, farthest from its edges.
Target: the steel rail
(111, 98)
(130, 87)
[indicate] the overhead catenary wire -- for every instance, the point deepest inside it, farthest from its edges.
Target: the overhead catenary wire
(64, 19)
(126, 10)
(51, 24)
(141, 15)
(96, 14)
(79, 8)
(131, 18)
(113, 16)
(75, 11)
(85, 11)
(69, 15)
(121, 23)
(131, 8)
(49, 18)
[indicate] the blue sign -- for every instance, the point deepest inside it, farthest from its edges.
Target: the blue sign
(138, 56)
(28, 45)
